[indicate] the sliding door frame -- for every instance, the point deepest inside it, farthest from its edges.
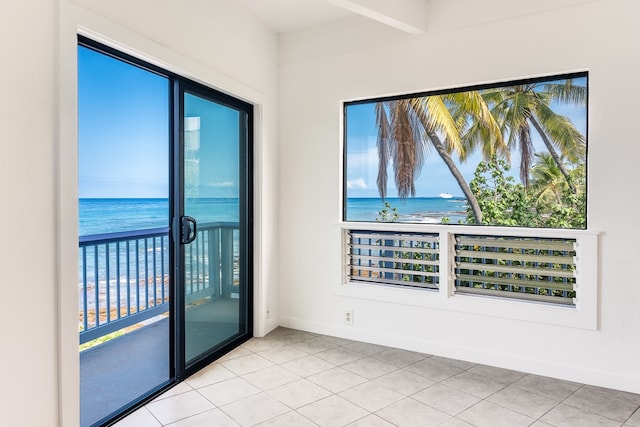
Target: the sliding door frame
(182, 86)
(177, 83)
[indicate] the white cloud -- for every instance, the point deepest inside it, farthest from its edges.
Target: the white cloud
(357, 183)
(222, 184)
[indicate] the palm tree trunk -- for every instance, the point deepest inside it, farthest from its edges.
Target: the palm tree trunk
(553, 153)
(466, 190)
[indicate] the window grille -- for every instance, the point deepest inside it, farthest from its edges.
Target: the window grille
(393, 258)
(516, 267)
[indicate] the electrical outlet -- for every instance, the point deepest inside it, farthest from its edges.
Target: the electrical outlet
(348, 317)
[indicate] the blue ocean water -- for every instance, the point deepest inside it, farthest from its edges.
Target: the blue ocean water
(429, 210)
(99, 216)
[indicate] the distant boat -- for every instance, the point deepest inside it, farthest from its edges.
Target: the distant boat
(446, 195)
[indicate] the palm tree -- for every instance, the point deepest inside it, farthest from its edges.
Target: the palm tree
(409, 128)
(547, 180)
(521, 107)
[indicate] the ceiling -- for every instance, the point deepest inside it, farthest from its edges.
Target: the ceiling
(284, 16)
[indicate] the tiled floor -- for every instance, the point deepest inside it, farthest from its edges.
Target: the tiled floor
(294, 378)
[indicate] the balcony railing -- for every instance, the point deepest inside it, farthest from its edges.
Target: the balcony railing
(124, 277)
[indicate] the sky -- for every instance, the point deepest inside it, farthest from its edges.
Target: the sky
(123, 128)
(124, 140)
(435, 178)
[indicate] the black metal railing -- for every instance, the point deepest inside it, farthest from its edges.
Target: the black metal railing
(124, 277)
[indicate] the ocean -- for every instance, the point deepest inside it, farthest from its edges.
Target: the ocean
(100, 216)
(429, 210)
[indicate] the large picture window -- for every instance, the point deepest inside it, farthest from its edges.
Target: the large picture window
(508, 154)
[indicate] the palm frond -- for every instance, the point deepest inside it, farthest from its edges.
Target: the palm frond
(404, 155)
(567, 92)
(562, 133)
(384, 148)
(441, 121)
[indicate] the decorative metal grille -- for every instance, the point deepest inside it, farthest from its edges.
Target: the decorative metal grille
(393, 258)
(516, 267)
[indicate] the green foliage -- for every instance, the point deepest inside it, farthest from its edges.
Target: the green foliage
(502, 200)
(388, 214)
(505, 202)
(414, 255)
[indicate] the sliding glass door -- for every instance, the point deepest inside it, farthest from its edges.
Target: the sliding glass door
(165, 252)
(215, 228)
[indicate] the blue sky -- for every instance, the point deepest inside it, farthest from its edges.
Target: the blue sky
(435, 178)
(123, 127)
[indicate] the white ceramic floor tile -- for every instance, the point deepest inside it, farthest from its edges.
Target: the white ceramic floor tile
(212, 374)
(612, 404)
(337, 379)
(245, 364)
(337, 340)
(570, 416)
(140, 418)
(369, 367)
(366, 348)
(523, 401)
(433, 369)
(180, 388)
(506, 376)
(404, 382)
(476, 385)
(446, 399)
(290, 336)
(228, 391)
(344, 382)
(178, 407)
(371, 420)
(551, 388)
(340, 355)
(282, 354)
(460, 364)
(290, 419)
(235, 353)
(399, 358)
(634, 420)
(487, 414)
(214, 417)
(314, 345)
(455, 422)
(257, 345)
(299, 393)
(255, 409)
(332, 411)
(308, 365)
(372, 396)
(411, 413)
(271, 377)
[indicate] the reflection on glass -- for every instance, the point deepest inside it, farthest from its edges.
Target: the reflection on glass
(211, 196)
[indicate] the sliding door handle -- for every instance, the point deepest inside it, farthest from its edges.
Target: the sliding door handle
(188, 230)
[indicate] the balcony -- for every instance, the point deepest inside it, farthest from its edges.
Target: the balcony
(124, 304)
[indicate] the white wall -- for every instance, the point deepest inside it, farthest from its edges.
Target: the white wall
(27, 213)
(210, 41)
(322, 67)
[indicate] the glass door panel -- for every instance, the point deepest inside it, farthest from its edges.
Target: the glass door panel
(213, 225)
(123, 253)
